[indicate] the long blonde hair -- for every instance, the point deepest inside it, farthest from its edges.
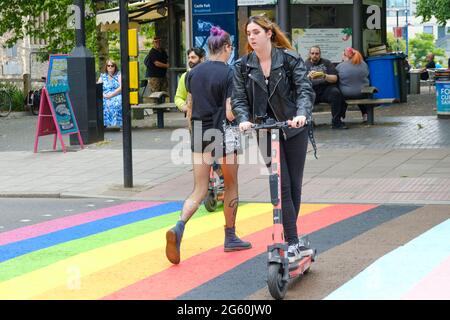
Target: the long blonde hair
(278, 39)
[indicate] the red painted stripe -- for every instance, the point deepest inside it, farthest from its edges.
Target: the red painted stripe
(435, 286)
(203, 267)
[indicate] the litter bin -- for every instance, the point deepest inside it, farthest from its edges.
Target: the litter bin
(402, 67)
(414, 81)
(99, 106)
(442, 82)
(385, 74)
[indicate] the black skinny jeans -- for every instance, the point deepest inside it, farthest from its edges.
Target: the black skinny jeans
(292, 157)
(332, 95)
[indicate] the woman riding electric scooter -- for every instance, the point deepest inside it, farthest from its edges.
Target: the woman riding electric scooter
(271, 82)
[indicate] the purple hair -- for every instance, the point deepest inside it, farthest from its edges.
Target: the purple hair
(217, 39)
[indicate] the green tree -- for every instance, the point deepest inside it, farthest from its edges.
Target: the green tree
(18, 19)
(421, 45)
(440, 9)
(394, 44)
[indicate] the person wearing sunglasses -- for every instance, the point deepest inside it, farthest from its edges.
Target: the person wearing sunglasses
(112, 95)
(324, 78)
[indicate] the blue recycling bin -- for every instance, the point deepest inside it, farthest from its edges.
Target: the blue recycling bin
(385, 75)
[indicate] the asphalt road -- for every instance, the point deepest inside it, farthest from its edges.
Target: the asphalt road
(20, 212)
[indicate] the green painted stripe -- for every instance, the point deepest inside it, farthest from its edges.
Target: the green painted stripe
(42, 258)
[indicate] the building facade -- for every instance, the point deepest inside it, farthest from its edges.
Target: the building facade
(402, 13)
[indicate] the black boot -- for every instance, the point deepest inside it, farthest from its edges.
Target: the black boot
(233, 243)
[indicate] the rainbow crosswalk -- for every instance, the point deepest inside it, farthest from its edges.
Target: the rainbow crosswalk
(118, 252)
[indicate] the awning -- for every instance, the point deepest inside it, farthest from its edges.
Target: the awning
(138, 13)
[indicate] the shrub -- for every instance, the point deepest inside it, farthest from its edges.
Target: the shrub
(16, 95)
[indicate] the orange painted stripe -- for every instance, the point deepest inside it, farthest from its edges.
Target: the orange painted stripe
(201, 268)
(150, 259)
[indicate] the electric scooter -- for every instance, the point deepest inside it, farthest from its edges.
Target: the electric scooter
(280, 271)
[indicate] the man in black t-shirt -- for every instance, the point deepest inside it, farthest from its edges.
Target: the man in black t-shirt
(157, 64)
(430, 65)
(323, 76)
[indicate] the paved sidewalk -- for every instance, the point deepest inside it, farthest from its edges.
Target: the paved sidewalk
(401, 159)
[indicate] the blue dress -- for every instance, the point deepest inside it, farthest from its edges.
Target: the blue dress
(112, 108)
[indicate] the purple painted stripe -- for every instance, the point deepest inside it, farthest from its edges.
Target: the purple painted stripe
(67, 222)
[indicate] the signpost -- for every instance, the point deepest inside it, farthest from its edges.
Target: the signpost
(126, 109)
(55, 111)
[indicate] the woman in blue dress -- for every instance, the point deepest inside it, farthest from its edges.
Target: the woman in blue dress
(112, 95)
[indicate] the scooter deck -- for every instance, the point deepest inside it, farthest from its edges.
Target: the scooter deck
(300, 267)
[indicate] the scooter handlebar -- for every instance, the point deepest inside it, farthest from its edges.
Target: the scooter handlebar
(274, 125)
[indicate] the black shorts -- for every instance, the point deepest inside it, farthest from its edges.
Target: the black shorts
(206, 138)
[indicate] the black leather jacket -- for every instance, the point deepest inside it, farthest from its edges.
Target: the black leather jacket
(289, 95)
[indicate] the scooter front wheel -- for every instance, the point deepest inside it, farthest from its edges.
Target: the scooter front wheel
(277, 287)
(211, 202)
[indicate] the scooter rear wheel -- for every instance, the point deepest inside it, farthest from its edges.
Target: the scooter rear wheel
(277, 287)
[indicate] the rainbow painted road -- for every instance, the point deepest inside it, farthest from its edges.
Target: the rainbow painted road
(118, 253)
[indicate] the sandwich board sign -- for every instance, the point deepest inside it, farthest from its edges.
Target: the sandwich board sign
(55, 110)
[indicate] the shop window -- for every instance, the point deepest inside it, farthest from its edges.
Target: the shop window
(11, 52)
(428, 29)
(322, 16)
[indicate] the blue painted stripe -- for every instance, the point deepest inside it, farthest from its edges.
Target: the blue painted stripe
(394, 274)
(19, 248)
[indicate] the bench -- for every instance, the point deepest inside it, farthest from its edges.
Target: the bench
(159, 105)
(369, 102)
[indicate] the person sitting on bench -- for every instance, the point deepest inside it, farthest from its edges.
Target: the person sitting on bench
(324, 78)
(353, 75)
(430, 65)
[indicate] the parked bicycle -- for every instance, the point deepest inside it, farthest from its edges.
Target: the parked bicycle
(33, 100)
(5, 103)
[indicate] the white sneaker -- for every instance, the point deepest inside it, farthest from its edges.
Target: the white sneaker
(298, 251)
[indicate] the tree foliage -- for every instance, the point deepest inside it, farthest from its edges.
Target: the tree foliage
(440, 9)
(420, 46)
(395, 44)
(19, 18)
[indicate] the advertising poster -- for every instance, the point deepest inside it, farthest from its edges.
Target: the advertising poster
(256, 2)
(63, 113)
(209, 13)
(57, 80)
(332, 42)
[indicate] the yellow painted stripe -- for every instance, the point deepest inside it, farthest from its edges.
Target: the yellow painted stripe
(116, 277)
(138, 258)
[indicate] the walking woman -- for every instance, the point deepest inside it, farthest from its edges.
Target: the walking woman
(210, 85)
(271, 81)
(112, 95)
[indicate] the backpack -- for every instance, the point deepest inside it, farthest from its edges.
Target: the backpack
(147, 60)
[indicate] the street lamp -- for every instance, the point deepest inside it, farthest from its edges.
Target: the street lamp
(396, 29)
(406, 27)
